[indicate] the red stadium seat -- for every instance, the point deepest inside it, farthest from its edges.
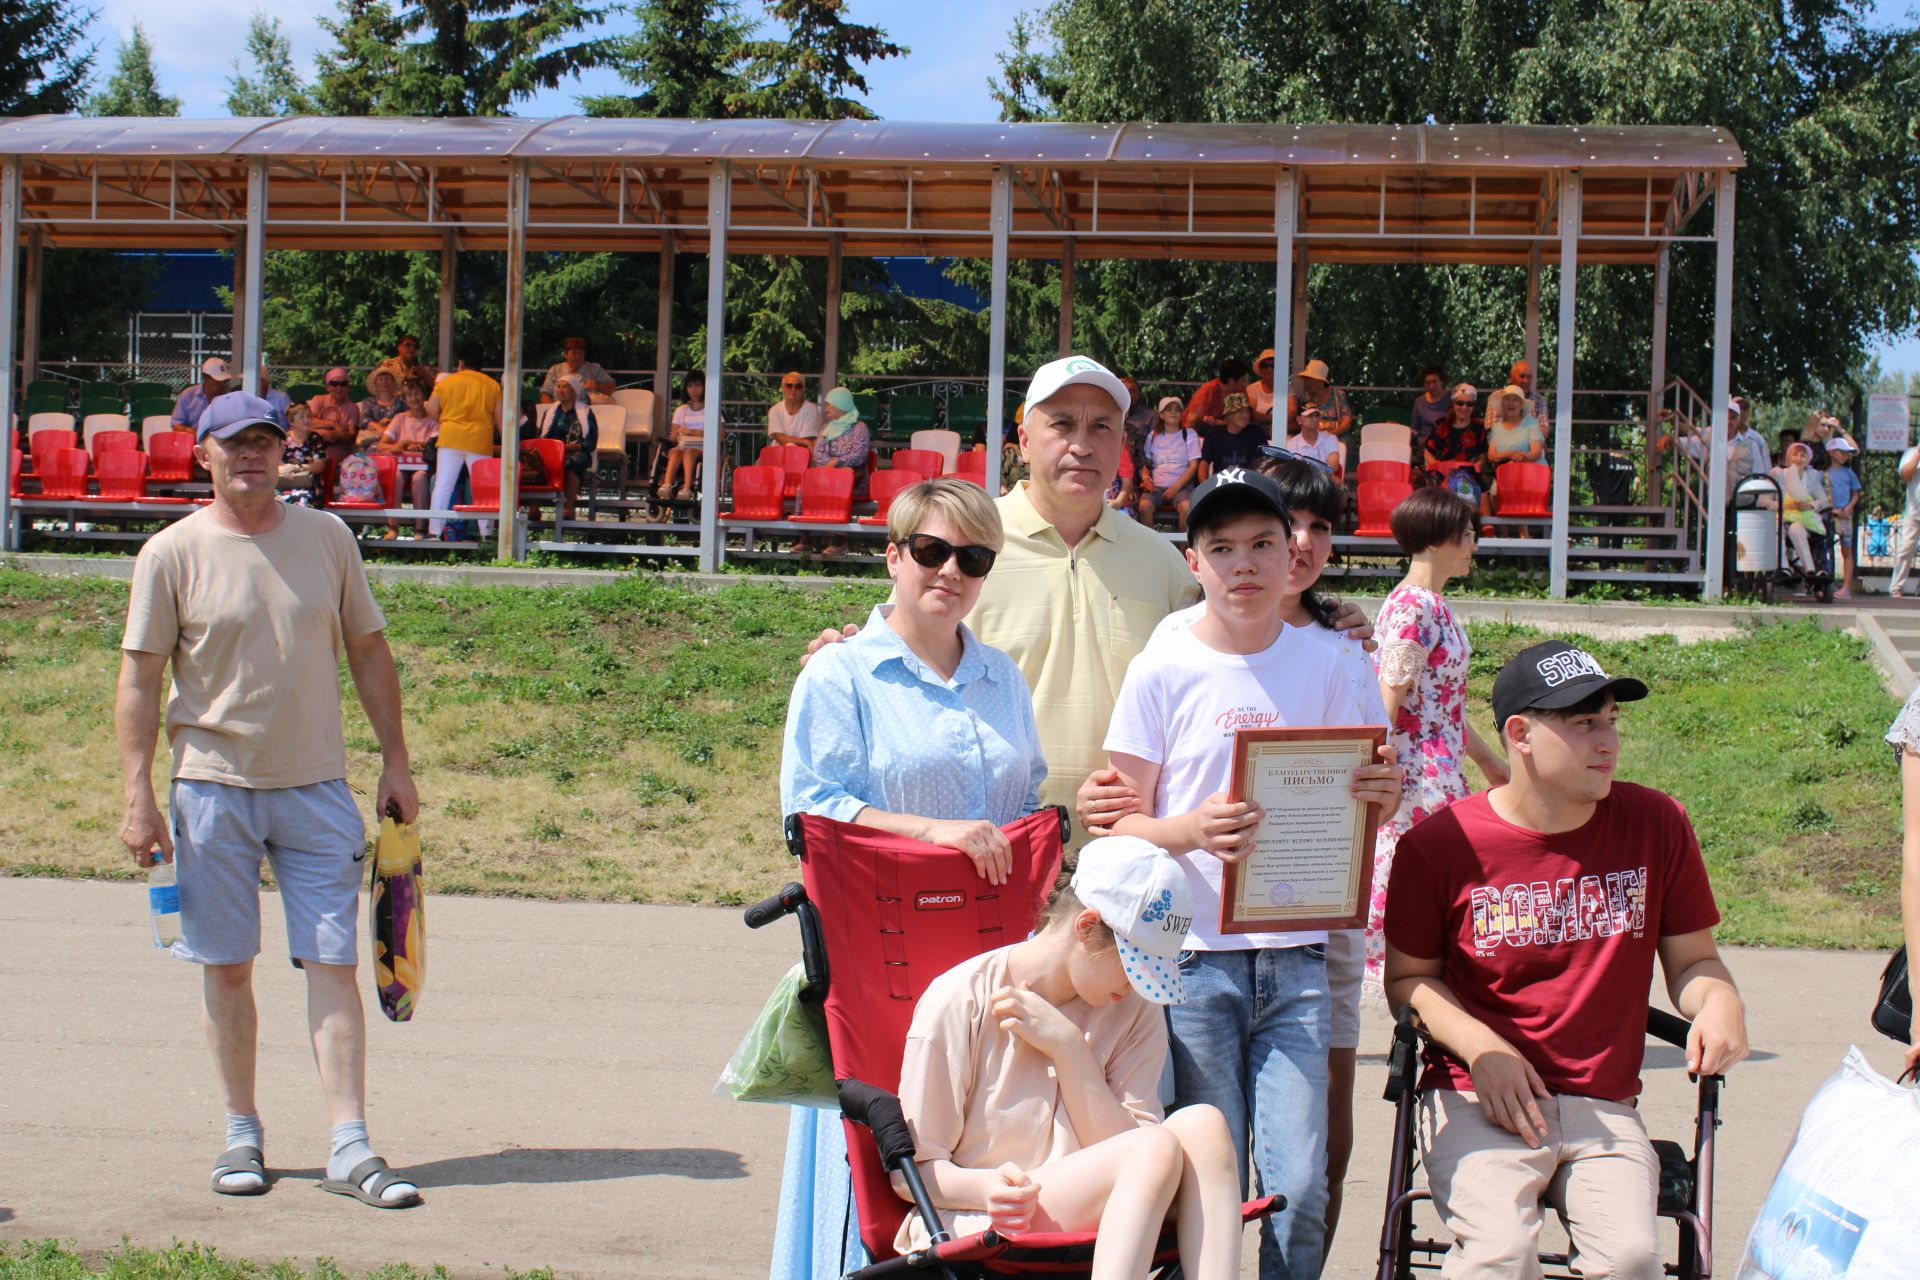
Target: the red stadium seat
(826, 496)
(972, 465)
(63, 472)
(1524, 489)
(105, 442)
(483, 476)
(1378, 498)
(41, 443)
(757, 494)
(553, 453)
(122, 473)
(1377, 470)
(884, 486)
(389, 468)
(13, 474)
(793, 462)
(170, 456)
(928, 462)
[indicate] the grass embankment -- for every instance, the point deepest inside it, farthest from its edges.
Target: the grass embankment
(622, 743)
(54, 1260)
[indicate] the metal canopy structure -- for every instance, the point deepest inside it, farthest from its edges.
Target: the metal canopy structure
(1492, 194)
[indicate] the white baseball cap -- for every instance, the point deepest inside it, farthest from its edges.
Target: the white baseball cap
(1141, 894)
(1049, 378)
(215, 367)
(1840, 444)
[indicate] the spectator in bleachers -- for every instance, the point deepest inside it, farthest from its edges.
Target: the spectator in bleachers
(1237, 444)
(1124, 495)
(688, 434)
(377, 410)
(302, 462)
(1207, 409)
(408, 434)
(573, 423)
(1784, 439)
(1843, 491)
(1521, 376)
(336, 418)
(1314, 385)
(1261, 392)
(1429, 407)
(405, 363)
(1458, 437)
(214, 377)
(844, 441)
(1513, 435)
(794, 420)
(272, 395)
(467, 405)
(1309, 441)
(597, 382)
(1173, 464)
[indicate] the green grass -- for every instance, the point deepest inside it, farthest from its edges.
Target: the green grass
(55, 1260)
(621, 742)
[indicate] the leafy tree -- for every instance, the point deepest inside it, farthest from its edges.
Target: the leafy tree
(276, 88)
(46, 57)
(685, 57)
(808, 75)
(133, 89)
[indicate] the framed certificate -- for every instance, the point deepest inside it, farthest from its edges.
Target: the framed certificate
(1311, 866)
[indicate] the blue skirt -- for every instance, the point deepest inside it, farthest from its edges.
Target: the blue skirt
(818, 1233)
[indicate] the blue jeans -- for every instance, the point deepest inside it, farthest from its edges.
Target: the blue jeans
(1252, 1040)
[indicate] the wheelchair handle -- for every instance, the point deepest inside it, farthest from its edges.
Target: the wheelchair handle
(785, 902)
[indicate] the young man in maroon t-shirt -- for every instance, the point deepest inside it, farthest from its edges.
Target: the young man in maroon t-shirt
(1522, 925)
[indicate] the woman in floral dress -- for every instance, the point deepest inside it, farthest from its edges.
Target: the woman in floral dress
(303, 463)
(1423, 682)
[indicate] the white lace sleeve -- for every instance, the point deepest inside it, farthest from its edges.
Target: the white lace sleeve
(1904, 736)
(1402, 661)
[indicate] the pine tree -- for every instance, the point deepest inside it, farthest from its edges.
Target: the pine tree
(685, 57)
(352, 78)
(808, 75)
(133, 89)
(276, 88)
(46, 58)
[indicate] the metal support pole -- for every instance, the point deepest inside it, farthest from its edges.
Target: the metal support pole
(1000, 221)
(235, 348)
(1717, 495)
(719, 211)
(510, 547)
(9, 391)
(30, 306)
(1298, 354)
(1066, 298)
(1285, 212)
(663, 342)
(830, 364)
(1657, 379)
(449, 276)
(252, 287)
(1563, 376)
(1530, 341)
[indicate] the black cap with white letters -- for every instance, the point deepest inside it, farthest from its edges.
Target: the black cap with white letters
(1552, 676)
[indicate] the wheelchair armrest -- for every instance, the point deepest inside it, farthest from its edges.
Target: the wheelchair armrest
(1670, 1027)
(1403, 1062)
(880, 1112)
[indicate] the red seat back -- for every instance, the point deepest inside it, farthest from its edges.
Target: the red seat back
(972, 465)
(884, 486)
(895, 915)
(553, 453)
(928, 462)
(19, 462)
(41, 443)
(170, 456)
(1525, 488)
(122, 473)
(483, 479)
(1370, 472)
(1377, 499)
(63, 472)
(105, 442)
(826, 493)
(793, 461)
(757, 493)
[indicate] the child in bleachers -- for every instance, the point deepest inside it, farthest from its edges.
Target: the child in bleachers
(689, 435)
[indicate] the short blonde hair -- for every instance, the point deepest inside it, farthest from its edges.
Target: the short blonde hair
(966, 504)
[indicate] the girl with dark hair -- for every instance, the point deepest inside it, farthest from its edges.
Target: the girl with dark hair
(689, 435)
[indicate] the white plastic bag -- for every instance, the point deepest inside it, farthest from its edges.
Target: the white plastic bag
(1846, 1202)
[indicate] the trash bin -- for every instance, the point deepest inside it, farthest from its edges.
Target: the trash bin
(1756, 526)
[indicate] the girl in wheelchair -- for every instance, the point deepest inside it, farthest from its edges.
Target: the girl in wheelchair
(1031, 1081)
(1803, 500)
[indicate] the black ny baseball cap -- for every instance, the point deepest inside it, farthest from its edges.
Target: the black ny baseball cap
(1237, 483)
(1552, 676)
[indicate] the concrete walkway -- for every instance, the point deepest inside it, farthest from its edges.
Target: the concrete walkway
(554, 1096)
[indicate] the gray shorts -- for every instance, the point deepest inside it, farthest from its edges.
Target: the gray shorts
(1346, 963)
(314, 839)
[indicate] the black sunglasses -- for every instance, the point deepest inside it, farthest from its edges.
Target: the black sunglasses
(930, 552)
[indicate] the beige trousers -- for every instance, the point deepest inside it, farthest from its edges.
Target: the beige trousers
(1596, 1168)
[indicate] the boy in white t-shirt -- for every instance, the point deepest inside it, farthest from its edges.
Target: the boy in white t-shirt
(1311, 442)
(1256, 1024)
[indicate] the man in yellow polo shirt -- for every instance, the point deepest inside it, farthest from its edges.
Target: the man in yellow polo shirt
(467, 403)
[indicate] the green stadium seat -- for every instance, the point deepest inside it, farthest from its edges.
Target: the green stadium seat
(49, 387)
(968, 416)
(907, 414)
(44, 402)
(138, 391)
(150, 405)
(100, 402)
(304, 391)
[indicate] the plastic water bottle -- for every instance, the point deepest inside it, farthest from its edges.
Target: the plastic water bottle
(163, 904)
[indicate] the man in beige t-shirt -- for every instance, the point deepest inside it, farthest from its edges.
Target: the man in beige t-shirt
(253, 602)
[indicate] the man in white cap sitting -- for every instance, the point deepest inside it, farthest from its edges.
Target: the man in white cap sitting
(214, 377)
(1078, 587)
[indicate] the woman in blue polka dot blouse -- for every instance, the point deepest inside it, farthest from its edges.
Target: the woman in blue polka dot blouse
(916, 728)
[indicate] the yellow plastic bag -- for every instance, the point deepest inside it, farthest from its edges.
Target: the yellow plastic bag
(398, 918)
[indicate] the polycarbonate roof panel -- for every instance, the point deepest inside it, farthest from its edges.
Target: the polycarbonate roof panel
(923, 142)
(124, 136)
(580, 137)
(1532, 146)
(408, 137)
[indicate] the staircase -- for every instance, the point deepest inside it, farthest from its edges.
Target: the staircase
(1627, 544)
